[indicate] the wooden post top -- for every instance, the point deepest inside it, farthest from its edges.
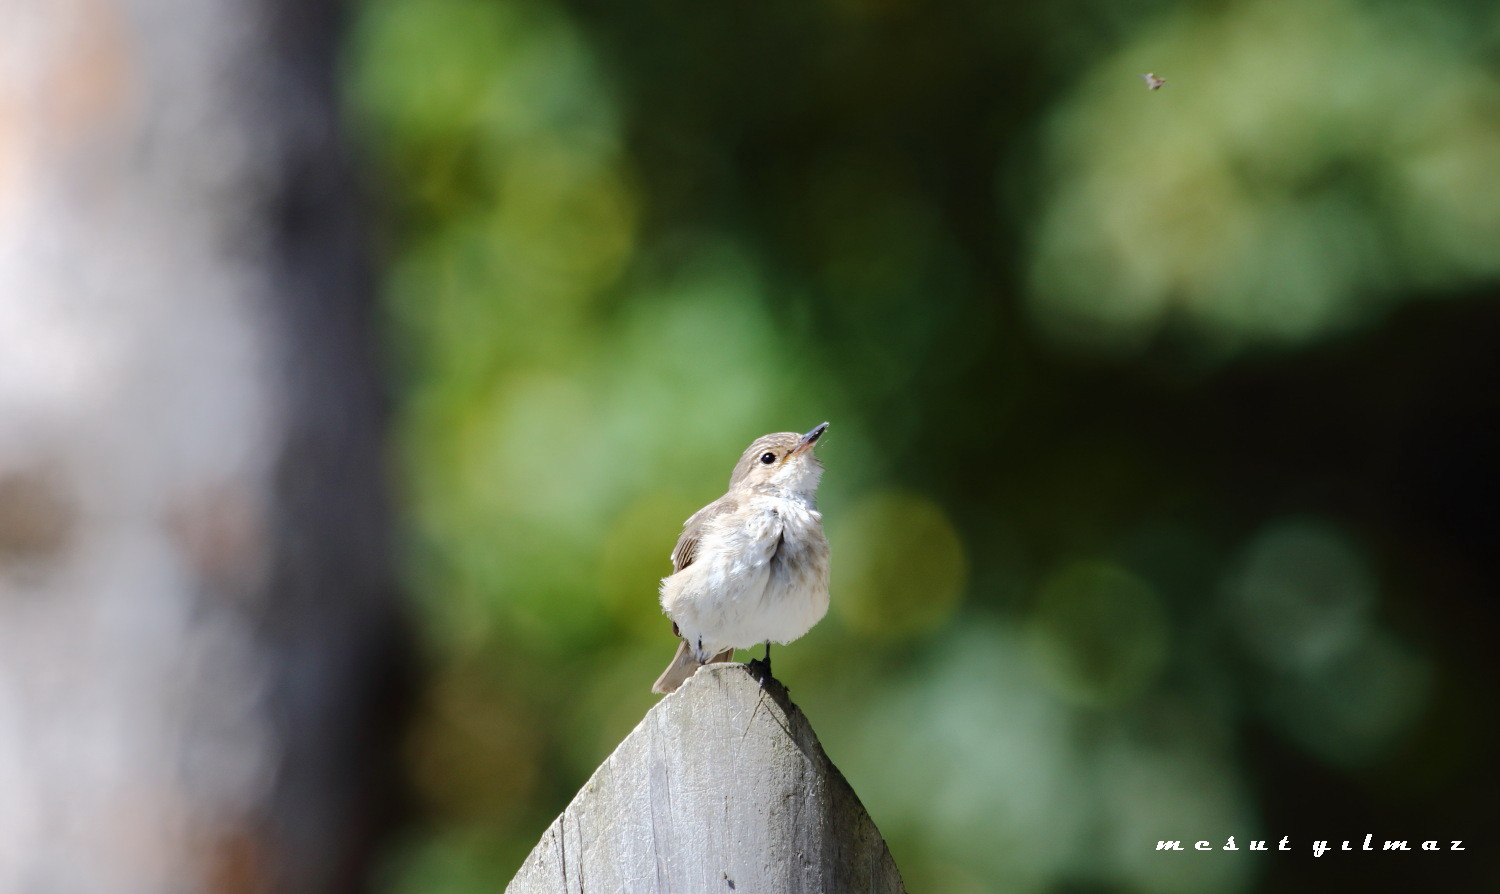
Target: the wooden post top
(722, 787)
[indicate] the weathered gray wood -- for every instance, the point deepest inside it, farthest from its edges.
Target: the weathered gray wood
(722, 787)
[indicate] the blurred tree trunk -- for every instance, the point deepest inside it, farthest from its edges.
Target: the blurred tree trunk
(201, 652)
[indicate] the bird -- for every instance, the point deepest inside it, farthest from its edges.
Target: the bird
(1152, 81)
(752, 566)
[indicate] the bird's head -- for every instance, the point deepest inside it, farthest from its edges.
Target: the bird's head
(782, 462)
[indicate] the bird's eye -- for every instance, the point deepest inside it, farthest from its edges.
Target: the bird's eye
(768, 458)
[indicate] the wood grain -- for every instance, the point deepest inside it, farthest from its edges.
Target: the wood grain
(722, 787)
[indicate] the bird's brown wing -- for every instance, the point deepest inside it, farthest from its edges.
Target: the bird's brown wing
(684, 664)
(686, 549)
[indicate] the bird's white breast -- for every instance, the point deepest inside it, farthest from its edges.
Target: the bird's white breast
(761, 574)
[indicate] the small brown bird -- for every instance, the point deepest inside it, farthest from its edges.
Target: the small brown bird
(752, 566)
(1152, 81)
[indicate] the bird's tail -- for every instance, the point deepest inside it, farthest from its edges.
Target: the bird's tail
(683, 665)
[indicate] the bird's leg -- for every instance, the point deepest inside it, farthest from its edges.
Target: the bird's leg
(761, 668)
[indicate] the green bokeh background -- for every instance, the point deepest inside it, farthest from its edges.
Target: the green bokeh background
(1159, 481)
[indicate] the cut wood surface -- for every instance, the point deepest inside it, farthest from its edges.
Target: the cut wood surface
(723, 787)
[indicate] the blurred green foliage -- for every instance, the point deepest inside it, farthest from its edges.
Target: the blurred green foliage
(1321, 160)
(1105, 369)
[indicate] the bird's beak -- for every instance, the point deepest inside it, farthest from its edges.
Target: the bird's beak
(808, 440)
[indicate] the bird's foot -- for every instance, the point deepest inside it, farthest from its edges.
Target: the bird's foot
(760, 670)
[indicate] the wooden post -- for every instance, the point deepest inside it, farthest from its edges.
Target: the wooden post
(723, 787)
